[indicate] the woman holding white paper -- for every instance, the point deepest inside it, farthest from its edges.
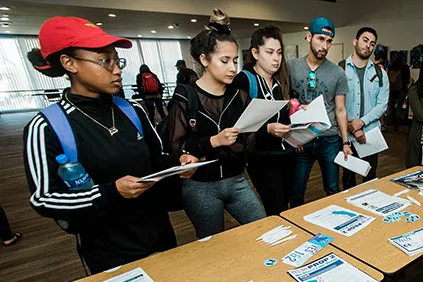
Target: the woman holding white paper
(209, 134)
(271, 165)
(413, 155)
(118, 219)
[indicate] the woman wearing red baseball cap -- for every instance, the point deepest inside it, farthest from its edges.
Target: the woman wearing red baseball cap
(119, 220)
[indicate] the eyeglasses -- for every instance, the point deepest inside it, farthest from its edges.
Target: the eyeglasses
(107, 63)
(312, 83)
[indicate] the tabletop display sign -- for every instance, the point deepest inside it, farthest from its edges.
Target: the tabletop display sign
(412, 181)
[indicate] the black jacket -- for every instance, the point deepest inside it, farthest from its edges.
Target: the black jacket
(186, 76)
(119, 229)
(265, 142)
(231, 158)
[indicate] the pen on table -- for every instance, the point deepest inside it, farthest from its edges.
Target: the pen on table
(133, 278)
(284, 240)
(414, 200)
(401, 192)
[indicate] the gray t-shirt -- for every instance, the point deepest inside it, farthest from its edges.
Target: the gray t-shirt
(330, 81)
(360, 73)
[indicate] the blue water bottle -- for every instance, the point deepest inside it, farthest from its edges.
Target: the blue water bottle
(73, 174)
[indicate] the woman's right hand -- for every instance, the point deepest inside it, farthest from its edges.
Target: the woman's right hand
(226, 137)
(278, 129)
(129, 188)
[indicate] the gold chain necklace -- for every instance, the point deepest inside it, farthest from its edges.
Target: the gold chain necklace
(112, 130)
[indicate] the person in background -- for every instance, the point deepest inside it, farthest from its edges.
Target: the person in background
(399, 77)
(8, 237)
(271, 166)
(185, 75)
(119, 219)
(312, 76)
(211, 135)
(366, 99)
(151, 90)
(413, 149)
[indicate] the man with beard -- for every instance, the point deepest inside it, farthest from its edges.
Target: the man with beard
(312, 76)
(367, 98)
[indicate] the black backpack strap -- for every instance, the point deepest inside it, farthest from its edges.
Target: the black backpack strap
(342, 64)
(379, 75)
(193, 105)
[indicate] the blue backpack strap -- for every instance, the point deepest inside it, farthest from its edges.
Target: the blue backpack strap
(129, 111)
(253, 84)
(60, 125)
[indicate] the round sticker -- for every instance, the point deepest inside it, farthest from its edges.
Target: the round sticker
(270, 262)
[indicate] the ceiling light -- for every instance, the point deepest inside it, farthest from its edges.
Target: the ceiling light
(5, 25)
(189, 37)
(306, 27)
(4, 19)
(153, 31)
(256, 24)
(5, 16)
(139, 35)
(193, 20)
(4, 8)
(7, 31)
(112, 15)
(171, 26)
(99, 23)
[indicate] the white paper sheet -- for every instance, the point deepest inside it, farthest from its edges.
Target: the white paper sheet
(172, 171)
(330, 268)
(352, 163)
(135, 275)
(339, 220)
(257, 113)
(378, 202)
(316, 112)
(375, 143)
(306, 125)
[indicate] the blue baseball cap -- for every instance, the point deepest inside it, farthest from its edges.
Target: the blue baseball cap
(318, 24)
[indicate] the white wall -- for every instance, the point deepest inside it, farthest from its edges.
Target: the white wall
(399, 35)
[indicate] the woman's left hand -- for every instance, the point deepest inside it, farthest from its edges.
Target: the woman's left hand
(184, 160)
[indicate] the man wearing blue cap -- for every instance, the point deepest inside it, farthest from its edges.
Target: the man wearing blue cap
(312, 76)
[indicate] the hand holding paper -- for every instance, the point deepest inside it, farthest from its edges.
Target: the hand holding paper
(374, 143)
(257, 113)
(172, 171)
(187, 159)
(226, 137)
(352, 163)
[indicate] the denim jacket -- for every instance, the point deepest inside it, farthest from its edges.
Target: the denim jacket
(375, 97)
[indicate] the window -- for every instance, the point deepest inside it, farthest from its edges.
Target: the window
(20, 82)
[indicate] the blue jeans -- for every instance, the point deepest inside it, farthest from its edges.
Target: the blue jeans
(204, 203)
(324, 150)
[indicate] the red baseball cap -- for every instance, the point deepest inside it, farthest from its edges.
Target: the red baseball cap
(59, 33)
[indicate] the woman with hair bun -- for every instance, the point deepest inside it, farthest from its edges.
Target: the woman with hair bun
(210, 134)
(119, 220)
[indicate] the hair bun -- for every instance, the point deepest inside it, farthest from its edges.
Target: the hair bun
(219, 17)
(219, 21)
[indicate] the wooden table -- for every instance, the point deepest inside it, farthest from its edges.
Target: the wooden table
(370, 244)
(234, 255)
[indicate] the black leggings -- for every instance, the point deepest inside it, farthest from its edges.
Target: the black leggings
(149, 103)
(5, 232)
(273, 177)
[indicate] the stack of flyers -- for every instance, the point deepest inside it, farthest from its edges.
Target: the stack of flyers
(410, 243)
(301, 254)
